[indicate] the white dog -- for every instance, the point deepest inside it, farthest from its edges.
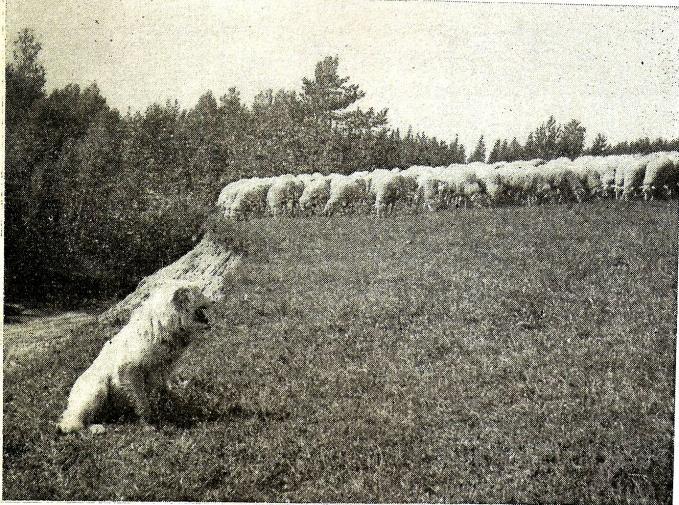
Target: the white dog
(133, 366)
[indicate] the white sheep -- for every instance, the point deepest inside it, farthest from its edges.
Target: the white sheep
(428, 191)
(284, 194)
(459, 184)
(587, 171)
(661, 176)
(228, 194)
(608, 168)
(620, 163)
(346, 191)
(633, 177)
(387, 187)
(251, 197)
(316, 194)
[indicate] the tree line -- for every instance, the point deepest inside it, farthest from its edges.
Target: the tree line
(97, 199)
(552, 140)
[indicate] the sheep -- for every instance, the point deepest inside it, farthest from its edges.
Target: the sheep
(345, 191)
(428, 191)
(620, 163)
(521, 182)
(633, 176)
(409, 188)
(468, 192)
(563, 180)
(538, 186)
(585, 168)
(315, 194)
(493, 184)
(503, 181)
(460, 184)
(607, 169)
(229, 193)
(660, 178)
(387, 187)
(569, 186)
(251, 197)
(284, 194)
(528, 182)
(414, 192)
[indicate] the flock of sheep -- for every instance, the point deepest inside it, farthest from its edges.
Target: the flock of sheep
(649, 176)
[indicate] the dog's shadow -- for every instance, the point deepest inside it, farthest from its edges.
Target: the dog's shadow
(187, 408)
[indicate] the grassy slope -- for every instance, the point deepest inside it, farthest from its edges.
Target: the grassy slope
(482, 355)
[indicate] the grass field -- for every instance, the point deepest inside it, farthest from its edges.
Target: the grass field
(482, 355)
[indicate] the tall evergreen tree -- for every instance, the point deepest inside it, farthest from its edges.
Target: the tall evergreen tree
(504, 151)
(327, 95)
(479, 153)
(599, 146)
(494, 155)
(515, 151)
(461, 154)
(530, 150)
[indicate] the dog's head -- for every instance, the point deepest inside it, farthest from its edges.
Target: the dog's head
(192, 308)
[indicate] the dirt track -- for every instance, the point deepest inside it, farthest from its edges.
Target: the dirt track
(24, 340)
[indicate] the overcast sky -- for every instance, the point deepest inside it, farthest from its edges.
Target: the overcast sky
(444, 68)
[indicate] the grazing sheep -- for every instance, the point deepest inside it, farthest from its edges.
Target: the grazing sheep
(459, 184)
(633, 177)
(538, 187)
(315, 194)
(432, 188)
(492, 184)
(428, 191)
(660, 178)
(387, 187)
(251, 197)
(229, 193)
(132, 367)
(585, 169)
(409, 188)
(346, 191)
(607, 170)
(284, 194)
(569, 187)
(619, 178)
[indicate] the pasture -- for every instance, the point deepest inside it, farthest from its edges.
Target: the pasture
(479, 355)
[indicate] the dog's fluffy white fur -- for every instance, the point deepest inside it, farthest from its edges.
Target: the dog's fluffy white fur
(133, 366)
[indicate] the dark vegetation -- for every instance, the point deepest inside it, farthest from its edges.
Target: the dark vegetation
(97, 199)
(515, 354)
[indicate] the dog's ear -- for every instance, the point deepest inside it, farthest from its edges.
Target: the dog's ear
(182, 299)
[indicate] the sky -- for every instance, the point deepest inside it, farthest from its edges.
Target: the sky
(444, 68)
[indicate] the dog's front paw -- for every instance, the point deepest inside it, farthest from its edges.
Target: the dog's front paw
(97, 429)
(69, 427)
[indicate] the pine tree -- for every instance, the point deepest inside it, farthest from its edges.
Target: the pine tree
(599, 146)
(479, 153)
(530, 150)
(328, 94)
(454, 152)
(494, 155)
(504, 151)
(461, 154)
(515, 151)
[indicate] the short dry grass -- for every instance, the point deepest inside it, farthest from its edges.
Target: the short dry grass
(493, 355)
